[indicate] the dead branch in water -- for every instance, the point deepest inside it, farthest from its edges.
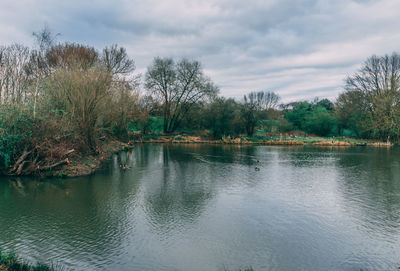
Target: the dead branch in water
(33, 161)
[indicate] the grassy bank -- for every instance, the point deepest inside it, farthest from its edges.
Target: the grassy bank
(10, 262)
(262, 140)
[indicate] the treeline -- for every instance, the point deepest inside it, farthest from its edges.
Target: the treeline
(368, 108)
(58, 98)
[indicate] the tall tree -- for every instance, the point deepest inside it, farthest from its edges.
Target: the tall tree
(254, 103)
(38, 67)
(315, 117)
(223, 117)
(350, 112)
(13, 75)
(45, 39)
(178, 86)
(72, 55)
(268, 100)
(379, 83)
(250, 112)
(117, 60)
(81, 94)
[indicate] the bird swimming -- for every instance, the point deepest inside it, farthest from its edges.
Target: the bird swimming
(124, 166)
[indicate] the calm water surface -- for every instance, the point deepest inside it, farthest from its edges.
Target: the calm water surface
(199, 207)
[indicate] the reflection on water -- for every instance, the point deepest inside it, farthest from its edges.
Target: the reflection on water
(200, 207)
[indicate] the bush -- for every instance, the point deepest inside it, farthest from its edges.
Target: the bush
(82, 95)
(147, 124)
(313, 118)
(10, 262)
(15, 129)
(320, 122)
(285, 126)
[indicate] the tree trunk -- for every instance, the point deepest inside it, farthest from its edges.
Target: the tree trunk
(35, 98)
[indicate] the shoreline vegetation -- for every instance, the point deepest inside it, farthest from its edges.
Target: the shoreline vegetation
(286, 140)
(11, 262)
(90, 164)
(65, 108)
(83, 165)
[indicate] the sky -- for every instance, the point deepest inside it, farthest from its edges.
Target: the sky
(300, 49)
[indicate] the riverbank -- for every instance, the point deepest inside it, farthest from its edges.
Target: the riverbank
(263, 140)
(77, 164)
(87, 165)
(10, 262)
(74, 163)
(83, 165)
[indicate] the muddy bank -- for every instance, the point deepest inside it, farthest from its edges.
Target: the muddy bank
(261, 140)
(83, 165)
(77, 164)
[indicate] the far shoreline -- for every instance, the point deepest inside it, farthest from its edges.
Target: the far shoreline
(85, 165)
(262, 140)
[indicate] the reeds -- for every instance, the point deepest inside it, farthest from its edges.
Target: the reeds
(10, 262)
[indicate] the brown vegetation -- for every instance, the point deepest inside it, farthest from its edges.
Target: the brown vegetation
(60, 103)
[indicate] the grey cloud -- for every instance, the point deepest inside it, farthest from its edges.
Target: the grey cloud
(300, 49)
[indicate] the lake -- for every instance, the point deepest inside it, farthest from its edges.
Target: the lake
(206, 207)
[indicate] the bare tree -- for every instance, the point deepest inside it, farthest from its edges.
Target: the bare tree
(122, 106)
(37, 69)
(379, 83)
(178, 86)
(378, 75)
(2, 72)
(250, 111)
(82, 94)
(21, 69)
(117, 60)
(13, 75)
(72, 55)
(45, 39)
(267, 100)
(254, 103)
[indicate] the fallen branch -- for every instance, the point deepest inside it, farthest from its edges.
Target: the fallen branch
(20, 160)
(62, 162)
(25, 166)
(68, 152)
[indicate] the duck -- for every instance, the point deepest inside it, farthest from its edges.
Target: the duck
(257, 168)
(125, 166)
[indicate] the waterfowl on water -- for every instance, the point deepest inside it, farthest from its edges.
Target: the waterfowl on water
(257, 168)
(124, 166)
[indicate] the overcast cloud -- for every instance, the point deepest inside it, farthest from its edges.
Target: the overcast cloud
(298, 48)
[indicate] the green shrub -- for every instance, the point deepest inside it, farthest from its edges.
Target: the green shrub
(15, 128)
(10, 262)
(147, 124)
